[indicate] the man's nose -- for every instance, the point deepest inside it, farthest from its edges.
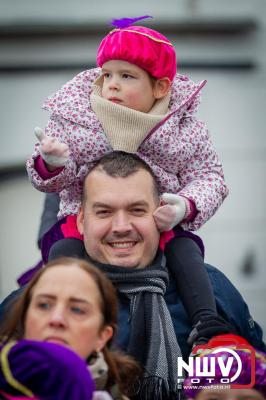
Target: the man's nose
(121, 223)
(58, 317)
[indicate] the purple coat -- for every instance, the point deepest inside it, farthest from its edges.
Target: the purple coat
(178, 149)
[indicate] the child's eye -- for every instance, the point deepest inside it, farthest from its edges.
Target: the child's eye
(127, 76)
(106, 75)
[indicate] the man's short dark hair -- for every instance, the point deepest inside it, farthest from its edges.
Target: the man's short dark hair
(120, 164)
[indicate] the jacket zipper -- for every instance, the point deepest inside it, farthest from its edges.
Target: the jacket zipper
(203, 83)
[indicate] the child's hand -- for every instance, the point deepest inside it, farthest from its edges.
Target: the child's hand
(171, 212)
(53, 152)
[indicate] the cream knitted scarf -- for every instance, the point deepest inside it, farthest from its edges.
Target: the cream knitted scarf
(124, 127)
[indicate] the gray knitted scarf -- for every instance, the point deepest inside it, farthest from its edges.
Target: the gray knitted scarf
(152, 340)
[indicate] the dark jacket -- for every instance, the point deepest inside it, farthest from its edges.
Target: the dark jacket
(230, 305)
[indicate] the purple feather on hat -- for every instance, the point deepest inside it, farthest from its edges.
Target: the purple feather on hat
(125, 22)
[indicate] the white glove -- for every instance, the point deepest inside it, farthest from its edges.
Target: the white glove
(53, 152)
(170, 214)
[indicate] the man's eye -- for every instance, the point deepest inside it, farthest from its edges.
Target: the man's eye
(102, 213)
(138, 211)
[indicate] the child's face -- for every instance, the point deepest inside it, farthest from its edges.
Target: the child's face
(128, 85)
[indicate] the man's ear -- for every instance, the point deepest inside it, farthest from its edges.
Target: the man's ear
(161, 87)
(80, 221)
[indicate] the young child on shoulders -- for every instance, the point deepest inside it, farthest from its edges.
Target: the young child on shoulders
(136, 102)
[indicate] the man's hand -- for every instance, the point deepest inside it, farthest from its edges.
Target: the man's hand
(53, 152)
(171, 212)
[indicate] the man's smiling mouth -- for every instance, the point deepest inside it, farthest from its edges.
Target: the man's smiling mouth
(122, 245)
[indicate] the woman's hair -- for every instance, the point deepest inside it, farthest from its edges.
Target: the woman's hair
(122, 369)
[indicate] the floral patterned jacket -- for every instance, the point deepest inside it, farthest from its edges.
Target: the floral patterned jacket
(178, 149)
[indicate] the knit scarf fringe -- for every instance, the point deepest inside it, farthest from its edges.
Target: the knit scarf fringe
(157, 388)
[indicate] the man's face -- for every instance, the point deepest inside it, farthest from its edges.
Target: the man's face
(117, 219)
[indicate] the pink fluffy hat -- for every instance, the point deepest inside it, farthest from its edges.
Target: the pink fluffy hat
(144, 47)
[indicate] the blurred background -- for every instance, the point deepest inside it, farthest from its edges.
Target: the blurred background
(44, 44)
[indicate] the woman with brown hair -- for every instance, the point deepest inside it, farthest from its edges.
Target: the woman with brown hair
(53, 328)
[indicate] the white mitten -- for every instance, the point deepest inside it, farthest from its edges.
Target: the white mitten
(53, 152)
(171, 213)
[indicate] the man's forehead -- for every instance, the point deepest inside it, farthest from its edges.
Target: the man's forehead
(98, 180)
(137, 187)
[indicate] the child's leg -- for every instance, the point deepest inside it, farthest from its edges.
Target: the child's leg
(62, 239)
(68, 247)
(185, 261)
